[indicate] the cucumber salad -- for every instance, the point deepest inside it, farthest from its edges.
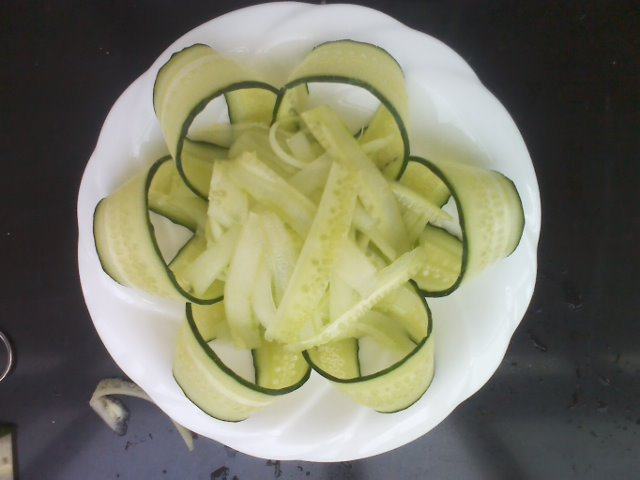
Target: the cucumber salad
(312, 242)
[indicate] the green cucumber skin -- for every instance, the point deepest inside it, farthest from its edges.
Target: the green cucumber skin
(201, 301)
(253, 386)
(350, 81)
(190, 227)
(456, 284)
(465, 256)
(443, 293)
(199, 108)
(385, 370)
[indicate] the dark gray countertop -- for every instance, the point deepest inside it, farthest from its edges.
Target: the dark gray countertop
(563, 404)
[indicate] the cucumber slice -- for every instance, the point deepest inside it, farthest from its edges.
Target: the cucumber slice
(272, 191)
(357, 270)
(363, 65)
(207, 267)
(193, 77)
(169, 196)
(445, 253)
(373, 190)
(392, 389)
(197, 164)
(210, 320)
(257, 141)
(219, 391)
(275, 366)
(383, 283)
(312, 177)
(244, 327)
(262, 303)
(419, 204)
(312, 272)
(491, 220)
(282, 251)
(425, 183)
(127, 247)
(250, 105)
(113, 412)
(228, 204)
(8, 457)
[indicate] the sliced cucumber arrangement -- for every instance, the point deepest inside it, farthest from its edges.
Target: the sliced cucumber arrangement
(363, 65)
(491, 220)
(189, 81)
(310, 247)
(219, 391)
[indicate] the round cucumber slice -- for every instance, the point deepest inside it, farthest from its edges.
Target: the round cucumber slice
(491, 220)
(363, 65)
(220, 392)
(192, 78)
(389, 390)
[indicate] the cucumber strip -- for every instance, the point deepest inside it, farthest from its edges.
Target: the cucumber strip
(115, 414)
(357, 270)
(302, 148)
(385, 331)
(386, 280)
(426, 183)
(257, 141)
(282, 154)
(392, 389)
(276, 367)
(415, 224)
(228, 203)
(418, 204)
(271, 190)
(367, 225)
(250, 105)
(207, 267)
(189, 80)
(210, 320)
(383, 144)
(445, 254)
(354, 268)
(336, 360)
(126, 243)
(312, 176)
(187, 254)
(169, 196)
(363, 65)
(373, 146)
(374, 190)
(245, 262)
(8, 456)
(262, 304)
(282, 252)
(226, 134)
(197, 164)
(313, 269)
(215, 388)
(491, 220)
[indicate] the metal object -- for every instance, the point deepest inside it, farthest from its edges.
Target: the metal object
(4, 372)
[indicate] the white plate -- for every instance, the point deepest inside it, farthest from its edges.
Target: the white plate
(453, 115)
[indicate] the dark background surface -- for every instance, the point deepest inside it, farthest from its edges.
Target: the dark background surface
(565, 401)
